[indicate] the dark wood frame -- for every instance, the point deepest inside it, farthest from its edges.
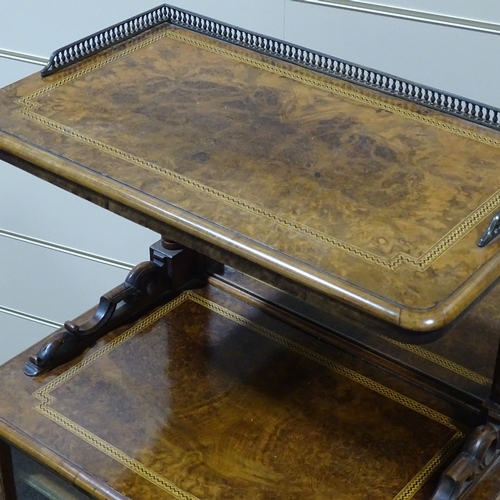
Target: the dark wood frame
(7, 484)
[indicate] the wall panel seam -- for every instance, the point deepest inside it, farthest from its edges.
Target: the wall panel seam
(23, 57)
(29, 317)
(409, 14)
(66, 250)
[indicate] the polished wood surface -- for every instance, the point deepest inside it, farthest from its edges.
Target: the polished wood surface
(363, 197)
(457, 362)
(209, 397)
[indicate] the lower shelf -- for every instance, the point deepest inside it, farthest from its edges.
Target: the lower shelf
(209, 397)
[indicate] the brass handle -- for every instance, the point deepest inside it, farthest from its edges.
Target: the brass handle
(492, 231)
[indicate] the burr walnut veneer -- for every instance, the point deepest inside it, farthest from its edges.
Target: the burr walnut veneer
(209, 397)
(373, 200)
(361, 196)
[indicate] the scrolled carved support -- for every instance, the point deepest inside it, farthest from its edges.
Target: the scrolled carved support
(165, 272)
(477, 456)
(143, 283)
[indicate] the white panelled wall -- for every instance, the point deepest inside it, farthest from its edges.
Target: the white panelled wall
(59, 253)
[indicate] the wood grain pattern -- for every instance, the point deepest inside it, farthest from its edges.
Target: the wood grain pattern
(211, 398)
(363, 197)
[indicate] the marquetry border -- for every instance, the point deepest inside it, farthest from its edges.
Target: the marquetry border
(47, 399)
(440, 361)
(28, 106)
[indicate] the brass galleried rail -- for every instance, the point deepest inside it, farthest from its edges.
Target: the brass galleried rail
(388, 84)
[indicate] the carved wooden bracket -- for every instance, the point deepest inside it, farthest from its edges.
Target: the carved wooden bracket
(166, 271)
(478, 455)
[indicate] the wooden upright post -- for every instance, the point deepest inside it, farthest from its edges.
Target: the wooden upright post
(7, 486)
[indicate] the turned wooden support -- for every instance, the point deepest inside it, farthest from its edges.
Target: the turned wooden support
(169, 244)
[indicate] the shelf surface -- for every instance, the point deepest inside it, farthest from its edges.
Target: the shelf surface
(364, 197)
